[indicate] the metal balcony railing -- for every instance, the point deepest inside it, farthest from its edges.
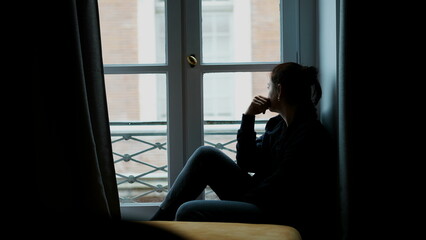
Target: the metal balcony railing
(140, 155)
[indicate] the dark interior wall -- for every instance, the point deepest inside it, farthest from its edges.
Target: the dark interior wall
(327, 33)
(349, 97)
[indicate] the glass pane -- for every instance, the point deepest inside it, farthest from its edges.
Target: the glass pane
(137, 111)
(132, 31)
(241, 31)
(227, 95)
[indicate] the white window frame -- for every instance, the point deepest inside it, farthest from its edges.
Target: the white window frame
(185, 111)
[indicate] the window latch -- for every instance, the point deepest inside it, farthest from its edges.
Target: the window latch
(192, 60)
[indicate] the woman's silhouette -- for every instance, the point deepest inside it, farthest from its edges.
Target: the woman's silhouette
(294, 166)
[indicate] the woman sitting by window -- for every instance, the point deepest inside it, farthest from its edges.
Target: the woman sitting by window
(294, 165)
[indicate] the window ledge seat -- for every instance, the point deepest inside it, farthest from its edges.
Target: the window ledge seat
(228, 231)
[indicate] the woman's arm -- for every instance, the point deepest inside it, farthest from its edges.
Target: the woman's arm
(248, 146)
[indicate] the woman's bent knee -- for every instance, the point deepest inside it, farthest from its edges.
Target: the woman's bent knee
(206, 151)
(190, 211)
(206, 155)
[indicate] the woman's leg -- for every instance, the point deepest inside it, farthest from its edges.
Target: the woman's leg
(219, 211)
(206, 166)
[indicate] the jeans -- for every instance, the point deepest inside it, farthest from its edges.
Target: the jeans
(210, 166)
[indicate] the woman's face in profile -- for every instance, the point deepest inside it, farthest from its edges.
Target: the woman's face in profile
(273, 96)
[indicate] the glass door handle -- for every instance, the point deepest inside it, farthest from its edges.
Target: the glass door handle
(192, 60)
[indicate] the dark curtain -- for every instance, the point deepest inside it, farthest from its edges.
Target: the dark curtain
(74, 170)
(372, 136)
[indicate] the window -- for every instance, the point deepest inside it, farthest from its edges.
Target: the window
(133, 35)
(161, 108)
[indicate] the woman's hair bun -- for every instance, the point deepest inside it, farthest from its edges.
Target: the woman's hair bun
(311, 76)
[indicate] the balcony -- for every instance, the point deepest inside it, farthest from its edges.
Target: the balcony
(140, 155)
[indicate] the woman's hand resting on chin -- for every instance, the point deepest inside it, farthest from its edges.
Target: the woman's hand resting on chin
(259, 105)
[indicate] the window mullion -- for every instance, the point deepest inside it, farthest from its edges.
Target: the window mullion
(174, 55)
(193, 104)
